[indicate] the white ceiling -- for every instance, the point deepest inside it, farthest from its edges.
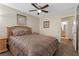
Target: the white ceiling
(54, 8)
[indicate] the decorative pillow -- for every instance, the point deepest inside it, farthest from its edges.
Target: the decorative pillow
(21, 31)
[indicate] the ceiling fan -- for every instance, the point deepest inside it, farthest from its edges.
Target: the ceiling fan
(39, 8)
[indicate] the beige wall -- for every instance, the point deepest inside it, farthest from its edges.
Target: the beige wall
(33, 22)
(54, 27)
(9, 18)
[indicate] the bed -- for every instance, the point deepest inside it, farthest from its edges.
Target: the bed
(22, 42)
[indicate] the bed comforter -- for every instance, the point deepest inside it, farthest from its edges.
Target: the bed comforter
(32, 45)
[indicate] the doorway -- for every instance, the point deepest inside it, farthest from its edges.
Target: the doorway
(63, 29)
(67, 27)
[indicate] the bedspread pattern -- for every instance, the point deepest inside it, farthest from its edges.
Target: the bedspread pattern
(32, 45)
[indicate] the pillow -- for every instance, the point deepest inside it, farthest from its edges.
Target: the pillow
(21, 31)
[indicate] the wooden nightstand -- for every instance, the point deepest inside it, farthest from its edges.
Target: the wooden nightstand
(3, 44)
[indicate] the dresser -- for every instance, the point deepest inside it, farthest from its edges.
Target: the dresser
(3, 44)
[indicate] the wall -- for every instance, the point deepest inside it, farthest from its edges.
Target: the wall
(70, 26)
(75, 30)
(6, 20)
(74, 35)
(54, 27)
(33, 22)
(9, 18)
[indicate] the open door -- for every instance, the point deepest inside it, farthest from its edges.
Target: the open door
(67, 27)
(63, 29)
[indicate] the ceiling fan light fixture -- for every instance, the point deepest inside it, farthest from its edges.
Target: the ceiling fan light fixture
(39, 11)
(39, 8)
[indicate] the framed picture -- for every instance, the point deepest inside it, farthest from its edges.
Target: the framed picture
(45, 24)
(21, 20)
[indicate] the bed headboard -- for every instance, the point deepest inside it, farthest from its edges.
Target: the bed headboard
(10, 29)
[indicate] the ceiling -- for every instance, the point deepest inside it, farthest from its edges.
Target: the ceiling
(54, 8)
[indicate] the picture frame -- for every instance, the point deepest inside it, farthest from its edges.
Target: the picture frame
(21, 20)
(45, 24)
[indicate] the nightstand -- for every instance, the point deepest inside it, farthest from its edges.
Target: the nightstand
(3, 44)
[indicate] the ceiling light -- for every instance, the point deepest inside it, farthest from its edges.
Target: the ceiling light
(39, 11)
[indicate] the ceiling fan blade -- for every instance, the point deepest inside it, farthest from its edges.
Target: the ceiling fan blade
(32, 10)
(45, 11)
(45, 6)
(35, 5)
(38, 5)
